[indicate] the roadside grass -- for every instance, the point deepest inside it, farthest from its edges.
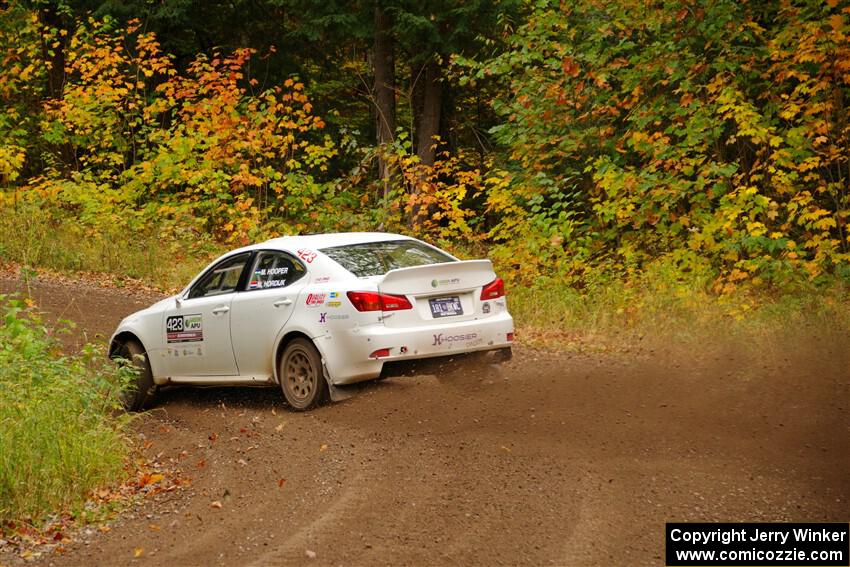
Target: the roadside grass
(62, 433)
(43, 237)
(653, 309)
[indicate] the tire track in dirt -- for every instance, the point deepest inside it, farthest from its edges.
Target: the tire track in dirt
(557, 460)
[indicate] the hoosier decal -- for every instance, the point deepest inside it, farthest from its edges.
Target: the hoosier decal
(184, 328)
(452, 339)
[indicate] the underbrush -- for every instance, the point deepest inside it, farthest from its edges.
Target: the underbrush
(62, 431)
(657, 307)
(36, 235)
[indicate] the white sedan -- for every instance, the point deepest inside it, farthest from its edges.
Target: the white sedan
(311, 313)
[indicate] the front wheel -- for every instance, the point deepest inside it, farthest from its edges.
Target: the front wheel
(139, 393)
(301, 377)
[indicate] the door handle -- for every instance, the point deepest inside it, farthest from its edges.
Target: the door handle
(281, 302)
(220, 310)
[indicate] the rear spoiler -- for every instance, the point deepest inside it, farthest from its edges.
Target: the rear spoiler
(438, 278)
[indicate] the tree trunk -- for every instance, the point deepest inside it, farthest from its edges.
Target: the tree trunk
(383, 62)
(429, 121)
(427, 127)
(50, 18)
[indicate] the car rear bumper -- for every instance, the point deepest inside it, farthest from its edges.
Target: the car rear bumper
(350, 355)
(439, 365)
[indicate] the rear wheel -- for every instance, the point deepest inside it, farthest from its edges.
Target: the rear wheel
(139, 393)
(301, 377)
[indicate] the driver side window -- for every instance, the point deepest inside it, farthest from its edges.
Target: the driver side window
(222, 278)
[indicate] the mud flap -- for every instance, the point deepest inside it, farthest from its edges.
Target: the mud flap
(337, 394)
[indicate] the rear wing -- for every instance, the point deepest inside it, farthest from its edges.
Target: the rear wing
(438, 278)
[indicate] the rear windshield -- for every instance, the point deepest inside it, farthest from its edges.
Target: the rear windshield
(378, 258)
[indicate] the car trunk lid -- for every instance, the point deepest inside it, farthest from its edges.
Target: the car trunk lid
(439, 293)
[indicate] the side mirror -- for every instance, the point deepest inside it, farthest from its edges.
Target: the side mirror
(178, 301)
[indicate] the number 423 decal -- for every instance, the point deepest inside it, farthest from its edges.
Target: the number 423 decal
(184, 328)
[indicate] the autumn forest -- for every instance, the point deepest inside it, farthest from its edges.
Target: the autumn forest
(575, 143)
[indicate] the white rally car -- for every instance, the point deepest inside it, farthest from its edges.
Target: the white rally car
(314, 312)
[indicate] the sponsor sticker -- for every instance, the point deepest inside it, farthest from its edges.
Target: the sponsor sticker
(315, 299)
(325, 317)
(485, 308)
(443, 338)
(184, 328)
(306, 255)
(322, 279)
(451, 281)
(334, 303)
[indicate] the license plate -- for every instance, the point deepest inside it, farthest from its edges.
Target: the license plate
(446, 306)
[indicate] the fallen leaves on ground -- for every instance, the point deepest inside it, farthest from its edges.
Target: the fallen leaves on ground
(145, 477)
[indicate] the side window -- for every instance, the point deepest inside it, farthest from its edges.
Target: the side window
(221, 278)
(274, 269)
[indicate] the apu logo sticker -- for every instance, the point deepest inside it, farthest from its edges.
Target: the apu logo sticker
(184, 328)
(306, 255)
(450, 339)
(435, 283)
(315, 299)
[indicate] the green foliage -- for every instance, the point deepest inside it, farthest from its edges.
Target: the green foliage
(59, 437)
(21, 74)
(638, 132)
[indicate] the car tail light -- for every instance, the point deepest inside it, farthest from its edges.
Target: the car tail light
(373, 301)
(510, 337)
(494, 289)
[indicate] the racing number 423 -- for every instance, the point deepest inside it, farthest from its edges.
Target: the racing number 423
(174, 324)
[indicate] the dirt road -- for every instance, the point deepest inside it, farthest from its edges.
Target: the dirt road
(557, 460)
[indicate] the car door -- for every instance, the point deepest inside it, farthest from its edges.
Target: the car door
(197, 327)
(260, 311)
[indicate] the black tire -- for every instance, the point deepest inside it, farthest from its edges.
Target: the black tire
(141, 393)
(301, 376)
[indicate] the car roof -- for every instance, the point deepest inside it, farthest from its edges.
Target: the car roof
(318, 241)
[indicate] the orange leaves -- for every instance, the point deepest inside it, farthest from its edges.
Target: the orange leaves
(198, 144)
(570, 67)
(146, 478)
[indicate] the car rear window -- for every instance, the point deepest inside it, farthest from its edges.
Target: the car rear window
(378, 258)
